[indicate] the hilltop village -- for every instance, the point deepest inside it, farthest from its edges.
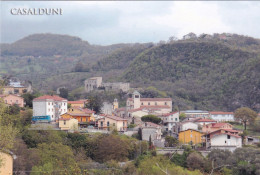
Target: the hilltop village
(152, 118)
(153, 121)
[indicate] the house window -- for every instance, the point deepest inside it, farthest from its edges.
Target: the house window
(49, 103)
(114, 124)
(149, 103)
(81, 119)
(101, 123)
(142, 103)
(175, 119)
(107, 123)
(64, 122)
(123, 124)
(165, 103)
(155, 103)
(52, 110)
(171, 118)
(49, 110)
(228, 136)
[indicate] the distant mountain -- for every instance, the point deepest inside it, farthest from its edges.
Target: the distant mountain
(54, 44)
(220, 72)
(210, 72)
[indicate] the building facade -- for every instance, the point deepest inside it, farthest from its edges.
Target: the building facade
(95, 83)
(169, 120)
(54, 106)
(108, 122)
(196, 113)
(190, 136)
(154, 105)
(12, 99)
(221, 116)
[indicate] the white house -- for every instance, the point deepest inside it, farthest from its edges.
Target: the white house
(188, 125)
(169, 120)
(204, 121)
(182, 126)
(221, 116)
(54, 106)
(196, 113)
(226, 141)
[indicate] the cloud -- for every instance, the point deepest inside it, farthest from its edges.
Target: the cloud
(111, 22)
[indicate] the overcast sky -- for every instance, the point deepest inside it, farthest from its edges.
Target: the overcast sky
(130, 22)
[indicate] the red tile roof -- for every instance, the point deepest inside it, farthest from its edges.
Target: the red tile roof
(86, 110)
(155, 106)
(218, 125)
(166, 115)
(115, 118)
(150, 124)
(205, 120)
(220, 112)
(76, 102)
(152, 99)
(227, 134)
(50, 97)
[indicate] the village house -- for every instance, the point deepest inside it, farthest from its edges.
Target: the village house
(84, 116)
(12, 99)
(190, 136)
(202, 121)
(221, 116)
(15, 87)
(215, 126)
(154, 105)
(68, 124)
(169, 120)
(109, 122)
(79, 103)
(47, 105)
(151, 129)
(182, 126)
(223, 139)
(196, 113)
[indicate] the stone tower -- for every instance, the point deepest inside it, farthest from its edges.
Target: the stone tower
(136, 99)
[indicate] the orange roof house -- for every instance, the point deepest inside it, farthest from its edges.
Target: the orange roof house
(81, 114)
(216, 126)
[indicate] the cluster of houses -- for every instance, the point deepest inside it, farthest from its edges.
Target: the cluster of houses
(209, 129)
(205, 128)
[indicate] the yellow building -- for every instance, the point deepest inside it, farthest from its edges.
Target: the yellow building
(190, 136)
(68, 124)
(6, 167)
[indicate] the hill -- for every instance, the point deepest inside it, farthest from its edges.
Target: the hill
(206, 75)
(210, 72)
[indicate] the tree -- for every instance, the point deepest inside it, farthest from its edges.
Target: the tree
(64, 93)
(151, 118)
(111, 147)
(245, 115)
(196, 161)
(171, 141)
(28, 98)
(182, 116)
(95, 103)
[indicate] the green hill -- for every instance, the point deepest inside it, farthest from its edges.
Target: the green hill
(200, 74)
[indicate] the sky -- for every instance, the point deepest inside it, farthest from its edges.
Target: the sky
(112, 22)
